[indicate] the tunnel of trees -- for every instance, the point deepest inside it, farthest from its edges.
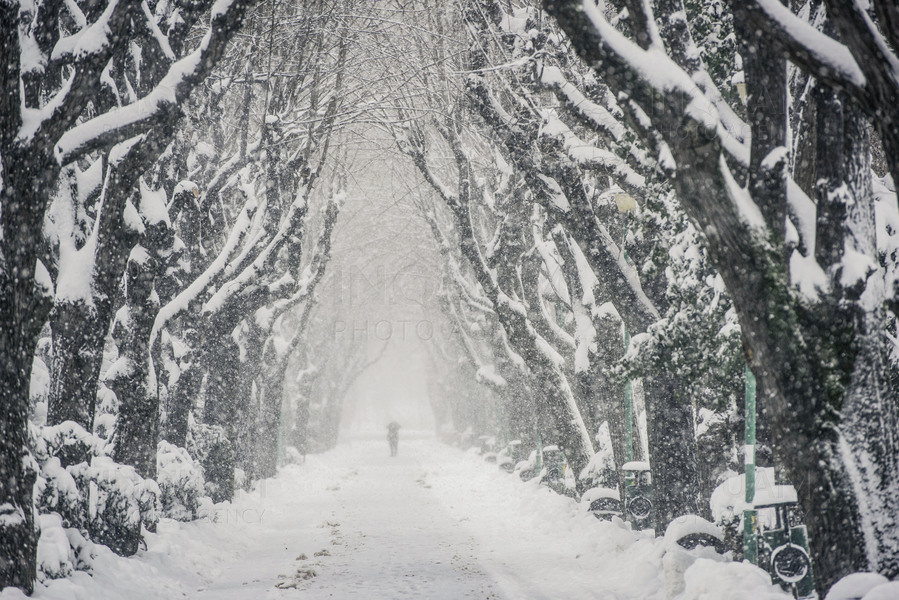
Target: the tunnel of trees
(633, 206)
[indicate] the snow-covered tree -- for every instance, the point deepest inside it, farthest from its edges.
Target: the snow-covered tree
(54, 56)
(812, 319)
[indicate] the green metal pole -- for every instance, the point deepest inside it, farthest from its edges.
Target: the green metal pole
(628, 409)
(750, 515)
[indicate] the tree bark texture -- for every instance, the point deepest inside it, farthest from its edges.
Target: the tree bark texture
(78, 333)
(181, 396)
(266, 450)
(672, 454)
(249, 400)
(223, 363)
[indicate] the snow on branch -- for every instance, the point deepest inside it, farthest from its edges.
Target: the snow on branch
(315, 270)
(180, 303)
(745, 206)
(90, 50)
(158, 37)
(654, 82)
(311, 278)
(597, 115)
(827, 58)
(468, 291)
(93, 38)
(254, 270)
(589, 155)
(165, 100)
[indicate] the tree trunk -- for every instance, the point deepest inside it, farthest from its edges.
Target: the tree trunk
(610, 395)
(78, 335)
(267, 448)
(223, 364)
(249, 404)
(871, 394)
(136, 433)
(299, 432)
(556, 396)
(181, 396)
(79, 331)
(270, 416)
(22, 313)
(791, 355)
(136, 430)
(796, 350)
(521, 414)
(672, 449)
(18, 542)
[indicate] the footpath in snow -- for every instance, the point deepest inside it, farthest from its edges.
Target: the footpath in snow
(432, 523)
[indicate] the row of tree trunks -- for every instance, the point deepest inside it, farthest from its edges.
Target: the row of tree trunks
(670, 447)
(670, 425)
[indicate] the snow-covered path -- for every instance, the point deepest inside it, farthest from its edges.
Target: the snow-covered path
(432, 523)
(370, 526)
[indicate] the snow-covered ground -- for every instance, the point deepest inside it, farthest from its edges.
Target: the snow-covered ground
(433, 523)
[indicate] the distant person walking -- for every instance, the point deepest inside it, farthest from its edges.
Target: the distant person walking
(393, 436)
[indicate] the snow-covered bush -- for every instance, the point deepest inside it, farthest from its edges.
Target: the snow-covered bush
(180, 480)
(106, 500)
(84, 550)
(292, 456)
(56, 492)
(209, 444)
(67, 438)
(61, 550)
(121, 501)
(55, 557)
(59, 490)
(107, 409)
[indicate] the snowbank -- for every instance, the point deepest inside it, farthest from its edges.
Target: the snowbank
(434, 522)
